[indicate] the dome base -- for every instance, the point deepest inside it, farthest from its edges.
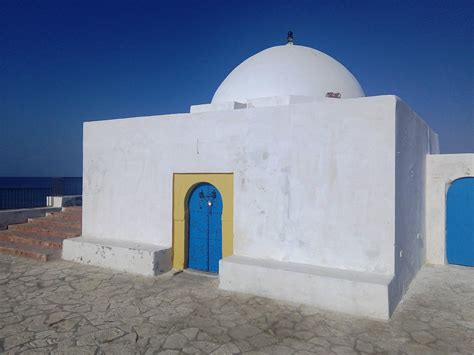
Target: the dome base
(254, 103)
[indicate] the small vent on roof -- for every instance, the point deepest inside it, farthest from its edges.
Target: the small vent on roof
(333, 95)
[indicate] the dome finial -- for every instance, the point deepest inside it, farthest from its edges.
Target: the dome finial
(290, 38)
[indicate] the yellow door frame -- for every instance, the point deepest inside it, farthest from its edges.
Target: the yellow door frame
(183, 184)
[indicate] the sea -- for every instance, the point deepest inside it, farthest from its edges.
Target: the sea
(25, 182)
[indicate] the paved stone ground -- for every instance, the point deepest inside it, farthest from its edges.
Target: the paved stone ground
(66, 308)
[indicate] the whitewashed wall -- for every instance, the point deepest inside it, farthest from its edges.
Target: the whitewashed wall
(442, 170)
(314, 183)
(414, 141)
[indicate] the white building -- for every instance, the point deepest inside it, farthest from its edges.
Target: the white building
(302, 187)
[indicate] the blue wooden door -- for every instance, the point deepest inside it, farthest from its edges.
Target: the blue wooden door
(460, 222)
(205, 228)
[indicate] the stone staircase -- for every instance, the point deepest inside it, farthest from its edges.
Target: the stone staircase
(42, 238)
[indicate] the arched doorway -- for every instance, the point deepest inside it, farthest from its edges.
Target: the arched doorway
(205, 228)
(460, 222)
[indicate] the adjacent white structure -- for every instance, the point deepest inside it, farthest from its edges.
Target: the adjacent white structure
(441, 171)
(324, 197)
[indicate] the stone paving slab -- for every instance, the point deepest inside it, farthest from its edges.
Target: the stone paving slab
(67, 308)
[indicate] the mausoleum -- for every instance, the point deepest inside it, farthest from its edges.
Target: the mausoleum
(291, 184)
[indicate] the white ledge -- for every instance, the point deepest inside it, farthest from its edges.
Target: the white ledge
(137, 258)
(222, 106)
(353, 292)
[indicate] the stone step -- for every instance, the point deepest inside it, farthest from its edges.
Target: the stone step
(29, 251)
(45, 230)
(54, 222)
(64, 216)
(42, 238)
(31, 239)
(68, 216)
(72, 210)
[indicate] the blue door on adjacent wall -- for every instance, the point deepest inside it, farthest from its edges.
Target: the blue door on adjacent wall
(205, 228)
(460, 222)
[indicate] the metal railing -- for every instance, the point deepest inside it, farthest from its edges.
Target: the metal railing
(31, 197)
(12, 198)
(66, 186)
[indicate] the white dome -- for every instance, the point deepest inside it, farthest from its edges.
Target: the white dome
(287, 70)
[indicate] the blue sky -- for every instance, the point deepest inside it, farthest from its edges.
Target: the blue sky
(66, 62)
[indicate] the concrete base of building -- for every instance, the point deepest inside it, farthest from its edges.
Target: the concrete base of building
(136, 258)
(357, 293)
